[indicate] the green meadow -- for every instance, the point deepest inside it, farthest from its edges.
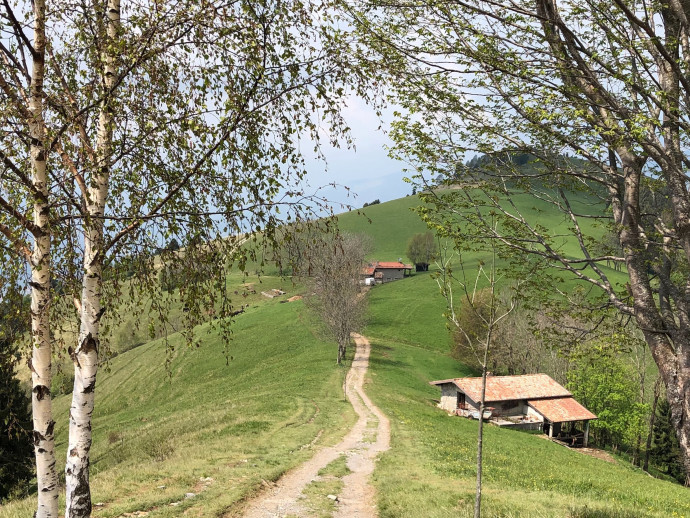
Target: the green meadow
(431, 468)
(390, 226)
(221, 431)
(160, 434)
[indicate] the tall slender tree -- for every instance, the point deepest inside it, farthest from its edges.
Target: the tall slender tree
(125, 126)
(333, 266)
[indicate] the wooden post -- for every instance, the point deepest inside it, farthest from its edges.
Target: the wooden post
(550, 430)
(586, 438)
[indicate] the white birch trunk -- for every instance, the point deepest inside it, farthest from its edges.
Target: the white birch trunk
(41, 369)
(41, 373)
(85, 357)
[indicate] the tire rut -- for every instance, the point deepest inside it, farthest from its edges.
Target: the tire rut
(357, 499)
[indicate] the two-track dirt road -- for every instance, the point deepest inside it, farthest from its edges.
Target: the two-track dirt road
(368, 437)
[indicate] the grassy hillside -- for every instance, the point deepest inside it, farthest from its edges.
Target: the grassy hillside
(390, 225)
(430, 469)
(157, 435)
(218, 431)
(411, 312)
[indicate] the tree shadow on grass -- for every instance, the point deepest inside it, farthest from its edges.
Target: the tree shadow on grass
(387, 362)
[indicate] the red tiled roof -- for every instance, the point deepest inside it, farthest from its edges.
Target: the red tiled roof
(506, 388)
(368, 270)
(561, 410)
(395, 264)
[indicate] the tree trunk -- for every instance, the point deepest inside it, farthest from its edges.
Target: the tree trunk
(85, 356)
(342, 350)
(480, 446)
(41, 369)
(480, 431)
(669, 343)
(41, 378)
(652, 418)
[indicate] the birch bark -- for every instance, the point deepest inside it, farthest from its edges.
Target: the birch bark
(85, 356)
(41, 375)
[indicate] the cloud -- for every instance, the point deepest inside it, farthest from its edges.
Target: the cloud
(367, 171)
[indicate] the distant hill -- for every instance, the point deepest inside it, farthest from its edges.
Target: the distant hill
(392, 225)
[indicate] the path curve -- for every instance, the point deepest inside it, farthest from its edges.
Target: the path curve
(357, 497)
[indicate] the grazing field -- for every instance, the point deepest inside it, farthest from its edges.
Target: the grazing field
(390, 225)
(197, 437)
(205, 427)
(430, 469)
(409, 311)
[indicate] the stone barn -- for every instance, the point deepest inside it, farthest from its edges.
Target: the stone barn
(531, 401)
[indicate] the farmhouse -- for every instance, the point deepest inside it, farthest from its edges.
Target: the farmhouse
(383, 271)
(531, 401)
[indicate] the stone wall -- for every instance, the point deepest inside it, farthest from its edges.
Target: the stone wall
(449, 397)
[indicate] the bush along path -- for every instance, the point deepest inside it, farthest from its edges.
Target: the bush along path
(367, 438)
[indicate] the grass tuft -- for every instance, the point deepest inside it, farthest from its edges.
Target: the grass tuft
(338, 468)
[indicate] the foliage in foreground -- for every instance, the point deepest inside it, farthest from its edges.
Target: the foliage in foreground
(16, 451)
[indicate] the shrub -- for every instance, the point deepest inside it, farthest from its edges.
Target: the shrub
(16, 451)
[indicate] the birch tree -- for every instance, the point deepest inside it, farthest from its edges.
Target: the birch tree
(125, 126)
(597, 94)
(24, 223)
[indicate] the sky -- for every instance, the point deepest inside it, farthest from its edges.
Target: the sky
(368, 171)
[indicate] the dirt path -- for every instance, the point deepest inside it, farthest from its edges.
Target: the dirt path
(367, 438)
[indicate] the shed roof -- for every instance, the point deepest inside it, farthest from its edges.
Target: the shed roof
(368, 271)
(507, 388)
(561, 410)
(393, 264)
